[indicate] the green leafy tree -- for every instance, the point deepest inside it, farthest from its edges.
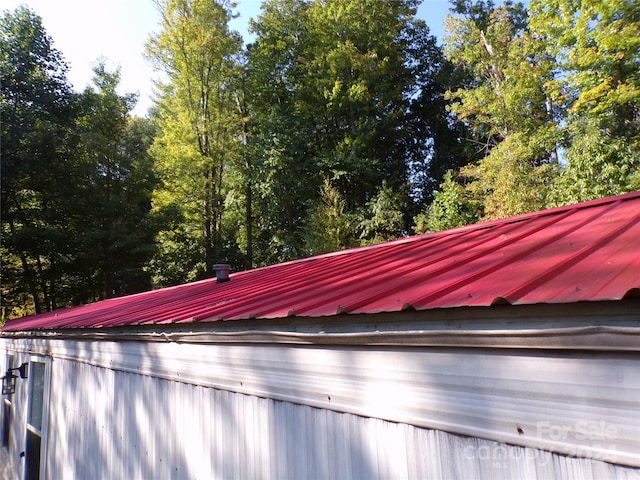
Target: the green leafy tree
(597, 164)
(510, 104)
(555, 96)
(115, 231)
(200, 132)
(436, 142)
(345, 89)
(286, 177)
(597, 45)
(362, 70)
(452, 206)
(76, 179)
(384, 216)
(37, 111)
(329, 227)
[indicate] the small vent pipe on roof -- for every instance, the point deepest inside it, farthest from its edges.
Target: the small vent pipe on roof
(222, 272)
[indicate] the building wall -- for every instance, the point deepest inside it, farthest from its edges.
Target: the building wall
(13, 414)
(172, 410)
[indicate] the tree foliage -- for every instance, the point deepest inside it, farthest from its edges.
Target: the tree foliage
(343, 91)
(199, 126)
(329, 227)
(75, 179)
(384, 216)
(117, 235)
(551, 96)
(509, 106)
(452, 206)
(597, 47)
(37, 111)
(280, 143)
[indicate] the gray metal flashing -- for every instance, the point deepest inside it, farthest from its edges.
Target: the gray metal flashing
(580, 338)
(582, 326)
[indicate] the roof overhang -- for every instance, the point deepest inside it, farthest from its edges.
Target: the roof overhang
(611, 325)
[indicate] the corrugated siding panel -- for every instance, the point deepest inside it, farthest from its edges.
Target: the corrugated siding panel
(110, 423)
(154, 428)
(583, 404)
(585, 252)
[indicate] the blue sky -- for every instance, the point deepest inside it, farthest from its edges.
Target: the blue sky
(85, 30)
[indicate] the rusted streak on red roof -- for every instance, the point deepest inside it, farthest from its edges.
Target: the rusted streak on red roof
(585, 252)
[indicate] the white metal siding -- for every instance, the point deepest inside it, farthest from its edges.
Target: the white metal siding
(153, 428)
(170, 410)
(578, 403)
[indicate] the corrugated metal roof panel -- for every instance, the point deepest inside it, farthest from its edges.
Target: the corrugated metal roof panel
(583, 252)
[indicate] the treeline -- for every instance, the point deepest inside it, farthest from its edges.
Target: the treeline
(344, 123)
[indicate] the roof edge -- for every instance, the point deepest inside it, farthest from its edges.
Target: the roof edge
(407, 328)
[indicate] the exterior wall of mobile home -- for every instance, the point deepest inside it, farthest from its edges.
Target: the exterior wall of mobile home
(400, 404)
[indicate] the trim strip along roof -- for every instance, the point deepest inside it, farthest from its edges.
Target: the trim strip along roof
(584, 252)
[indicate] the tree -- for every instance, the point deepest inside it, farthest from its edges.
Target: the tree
(436, 142)
(452, 206)
(384, 216)
(510, 104)
(37, 111)
(115, 231)
(344, 90)
(200, 129)
(555, 96)
(76, 179)
(362, 69)
(329, 227)
(286, 177)
(597, 45)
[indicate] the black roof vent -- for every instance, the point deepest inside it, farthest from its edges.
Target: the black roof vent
(222, 272)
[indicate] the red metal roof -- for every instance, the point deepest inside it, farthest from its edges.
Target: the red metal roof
(583, 252)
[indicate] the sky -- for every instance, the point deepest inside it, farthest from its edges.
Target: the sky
(117, 30)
